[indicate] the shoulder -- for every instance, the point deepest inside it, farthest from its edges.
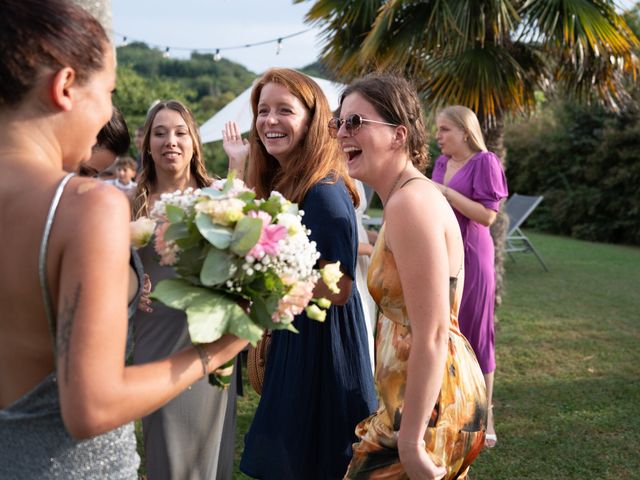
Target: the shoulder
(487, 160)
(413, 199)
(440, 162)
(87, 197)
(327, 190)
(418, 210)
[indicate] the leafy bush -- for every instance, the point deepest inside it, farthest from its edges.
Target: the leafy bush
(586, 163)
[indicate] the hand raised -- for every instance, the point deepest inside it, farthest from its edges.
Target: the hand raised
(236, 148)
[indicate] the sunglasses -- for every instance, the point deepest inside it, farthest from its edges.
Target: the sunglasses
(352, 124)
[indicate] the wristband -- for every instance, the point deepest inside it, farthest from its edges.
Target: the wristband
(205, 358)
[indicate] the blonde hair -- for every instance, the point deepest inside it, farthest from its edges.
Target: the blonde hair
(319, 154)
(464, 118)
(147, 178)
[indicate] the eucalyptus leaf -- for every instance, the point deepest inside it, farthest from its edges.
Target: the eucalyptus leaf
(176, 231)
(212, 192)
(246, 235)
(210, 314)
(218, 235)
(246, 196)
(174, 214)
(216, 267)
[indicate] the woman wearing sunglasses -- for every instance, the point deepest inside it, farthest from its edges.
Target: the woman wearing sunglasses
(432, 412)
(318, 383)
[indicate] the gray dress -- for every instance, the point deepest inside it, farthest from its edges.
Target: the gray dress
(193, 436)
(33, 440)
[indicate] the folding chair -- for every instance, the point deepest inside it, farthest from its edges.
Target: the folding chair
(518, 208)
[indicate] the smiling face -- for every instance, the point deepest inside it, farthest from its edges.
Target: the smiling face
(367, 151)
(281, 123)
(451, 137)
(171, 143)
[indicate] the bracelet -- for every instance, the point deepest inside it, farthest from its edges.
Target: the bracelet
(205, 358)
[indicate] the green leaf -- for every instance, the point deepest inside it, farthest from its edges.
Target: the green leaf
(212, 192)
(246, 235)
(176, 231)
(272, 206)
(246, 196)
(216, 268)
(218, 235)
(210, 313)
(174, 214)
(190, 262)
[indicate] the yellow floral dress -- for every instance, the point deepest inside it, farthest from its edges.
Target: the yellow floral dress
(455, 434)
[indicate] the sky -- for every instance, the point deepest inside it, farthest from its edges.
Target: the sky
(209, 24)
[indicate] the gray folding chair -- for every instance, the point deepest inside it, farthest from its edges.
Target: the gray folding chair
(518, 208)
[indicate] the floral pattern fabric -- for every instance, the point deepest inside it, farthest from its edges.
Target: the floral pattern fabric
(455, 434)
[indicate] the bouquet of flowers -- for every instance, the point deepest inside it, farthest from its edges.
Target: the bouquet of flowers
(243, 264)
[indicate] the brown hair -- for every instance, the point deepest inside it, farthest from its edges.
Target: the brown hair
(319, 153)
(397, 102)
(127, 162)
(40, 34)
(148, 176)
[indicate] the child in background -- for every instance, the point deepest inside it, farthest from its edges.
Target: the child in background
(125, 168)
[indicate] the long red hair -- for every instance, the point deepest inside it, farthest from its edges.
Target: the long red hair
(319, 154)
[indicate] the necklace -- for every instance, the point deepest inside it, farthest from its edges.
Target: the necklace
(457, 164)
(395, 184)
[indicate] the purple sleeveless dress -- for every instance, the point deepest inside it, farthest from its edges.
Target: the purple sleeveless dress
(482, 180)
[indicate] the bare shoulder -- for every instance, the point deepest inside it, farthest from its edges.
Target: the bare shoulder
(417, 201)
(85, 195)
(91, 207)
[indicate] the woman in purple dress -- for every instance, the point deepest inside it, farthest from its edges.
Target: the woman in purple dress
(472, 180)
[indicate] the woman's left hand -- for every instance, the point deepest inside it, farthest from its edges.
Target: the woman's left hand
(418, 464)
(145, 302)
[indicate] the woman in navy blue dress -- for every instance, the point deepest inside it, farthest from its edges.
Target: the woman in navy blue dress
(318, 383)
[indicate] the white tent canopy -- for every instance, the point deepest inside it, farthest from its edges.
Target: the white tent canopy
(239, 110)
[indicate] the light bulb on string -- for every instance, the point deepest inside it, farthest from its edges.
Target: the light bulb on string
(125, 42)
(279, 46)
(166, 53)
(217, 56)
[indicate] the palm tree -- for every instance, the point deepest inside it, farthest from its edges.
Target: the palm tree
(489, 55)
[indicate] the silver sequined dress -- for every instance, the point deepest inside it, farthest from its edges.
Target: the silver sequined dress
(34, 443)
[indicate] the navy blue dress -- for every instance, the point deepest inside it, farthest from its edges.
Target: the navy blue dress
(318, 383)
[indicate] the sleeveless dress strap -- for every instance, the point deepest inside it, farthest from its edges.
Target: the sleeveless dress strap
(42, 259)
(410, 179)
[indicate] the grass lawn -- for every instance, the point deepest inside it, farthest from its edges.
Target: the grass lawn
(567, 393)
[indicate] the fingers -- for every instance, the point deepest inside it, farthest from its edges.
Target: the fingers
(231, 133)
(145, 302)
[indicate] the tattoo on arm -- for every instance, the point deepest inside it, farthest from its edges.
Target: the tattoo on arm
(66, 318)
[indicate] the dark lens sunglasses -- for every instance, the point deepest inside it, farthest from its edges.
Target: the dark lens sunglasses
(352, 124)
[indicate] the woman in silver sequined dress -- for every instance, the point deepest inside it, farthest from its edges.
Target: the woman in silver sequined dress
(66, 398)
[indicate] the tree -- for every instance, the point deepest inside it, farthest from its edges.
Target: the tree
(489, 55)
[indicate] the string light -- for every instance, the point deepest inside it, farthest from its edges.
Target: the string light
(216, 50)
